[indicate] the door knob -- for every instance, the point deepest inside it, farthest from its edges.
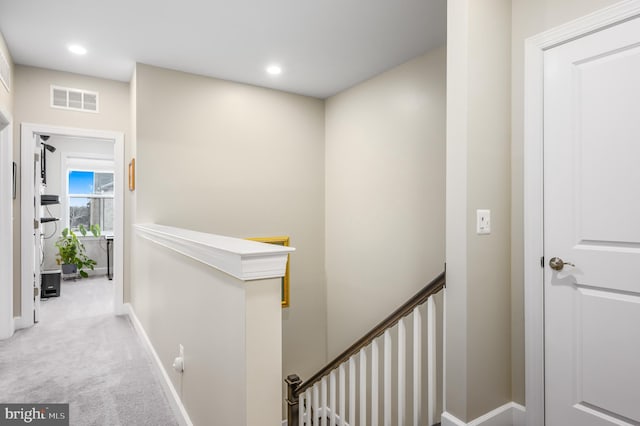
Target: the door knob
(557, 264)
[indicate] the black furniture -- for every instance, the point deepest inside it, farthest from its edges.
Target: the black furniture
(50, 284)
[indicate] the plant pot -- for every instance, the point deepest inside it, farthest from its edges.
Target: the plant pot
(68, 269)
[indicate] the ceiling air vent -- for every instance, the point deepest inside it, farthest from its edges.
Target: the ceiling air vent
(74, 99)
(5, 72)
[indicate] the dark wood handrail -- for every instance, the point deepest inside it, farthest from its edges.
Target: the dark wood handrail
(419, 298)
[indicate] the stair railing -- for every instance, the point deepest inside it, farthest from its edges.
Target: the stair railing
(308, 404)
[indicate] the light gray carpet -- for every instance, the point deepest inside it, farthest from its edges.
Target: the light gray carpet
(81, 354)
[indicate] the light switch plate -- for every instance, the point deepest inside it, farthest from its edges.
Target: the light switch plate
(483, 222)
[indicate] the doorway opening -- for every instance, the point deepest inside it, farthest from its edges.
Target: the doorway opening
(72, 192)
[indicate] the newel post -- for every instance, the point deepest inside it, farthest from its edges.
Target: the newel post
(292, 381)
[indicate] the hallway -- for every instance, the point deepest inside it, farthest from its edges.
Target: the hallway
(81, 354)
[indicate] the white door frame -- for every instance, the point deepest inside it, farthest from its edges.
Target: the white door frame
(533, 189)
(27, 194)
(6, 226)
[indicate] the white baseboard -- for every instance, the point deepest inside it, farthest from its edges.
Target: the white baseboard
(510, 414)
(519, 415)
(20, 322)
(167, 385)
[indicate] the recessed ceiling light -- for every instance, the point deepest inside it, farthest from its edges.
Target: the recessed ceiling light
(274, 69)
(77, 49)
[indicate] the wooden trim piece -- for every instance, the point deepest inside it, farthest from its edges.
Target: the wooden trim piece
(132, 175)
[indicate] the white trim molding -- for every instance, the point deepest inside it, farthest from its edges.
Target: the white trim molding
(510, 414)
(533, 188)
(242, 259)
(7, 326)
(170, 390)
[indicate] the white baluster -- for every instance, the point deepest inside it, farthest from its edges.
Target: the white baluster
(387, 378)
(301, 401)
(375, 367)
(363, 388)
(316, 404)
(417, 367)
(352, 391)
(431, 360)
(341, 389)
(332, 397)
(323, 401)
(402, 370)
(308, 418)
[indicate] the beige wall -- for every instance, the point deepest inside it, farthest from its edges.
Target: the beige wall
(238, 160)
(32, 105)
(229, 354)
(478, 369)
(6, 243)
(456, 209)
(6, 97)
(384, 194)
(530, 17)
(6, 104)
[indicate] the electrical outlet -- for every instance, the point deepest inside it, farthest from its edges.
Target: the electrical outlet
(483, 222)
(178, 362)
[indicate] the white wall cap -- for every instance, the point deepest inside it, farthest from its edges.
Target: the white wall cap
(243, 259)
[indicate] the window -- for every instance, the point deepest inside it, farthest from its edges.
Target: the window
(91, 199)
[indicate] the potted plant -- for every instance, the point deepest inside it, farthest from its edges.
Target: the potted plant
(71, 251)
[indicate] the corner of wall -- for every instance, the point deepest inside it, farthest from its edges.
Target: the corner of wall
(478, 373)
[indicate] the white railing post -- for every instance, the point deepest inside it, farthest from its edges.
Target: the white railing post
(387, 378)
(402, 370)
(309, 411)
(375, 367)
(431, 360)
(352, 391)
(323, 401)
(332, 397)
(341, 389)
(301, 401)
(417, 367)
(316, 404)
(363, 388)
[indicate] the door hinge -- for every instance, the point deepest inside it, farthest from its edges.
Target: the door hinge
(36, 292)
(542, 262)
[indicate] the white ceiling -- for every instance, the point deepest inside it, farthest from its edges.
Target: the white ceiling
(323, 47)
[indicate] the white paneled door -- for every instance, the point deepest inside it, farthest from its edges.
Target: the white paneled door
(592, 228)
